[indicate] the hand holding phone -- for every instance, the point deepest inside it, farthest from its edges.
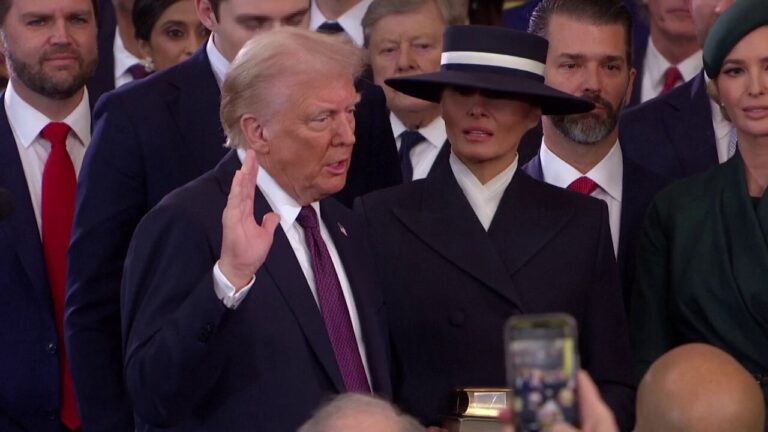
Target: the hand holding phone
(542, 363)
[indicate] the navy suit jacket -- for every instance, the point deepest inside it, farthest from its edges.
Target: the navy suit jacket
(672, 134)
(193, 364)
(103, 79)
(29, 364)
(450, 285)
(151, 137)
(639, 186)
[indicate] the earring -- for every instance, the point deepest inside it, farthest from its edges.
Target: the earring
(149, 66)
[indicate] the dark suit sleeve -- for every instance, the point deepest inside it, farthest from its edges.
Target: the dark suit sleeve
(171, 317)
(650, 322)
(8, 425)
(606, 348)
(111, 200)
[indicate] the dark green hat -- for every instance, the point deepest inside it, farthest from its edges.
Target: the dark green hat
(736, 22)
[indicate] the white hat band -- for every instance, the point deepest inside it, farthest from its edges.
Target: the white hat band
(492, 59)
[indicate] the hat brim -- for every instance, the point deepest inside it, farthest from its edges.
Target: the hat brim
(551, 101)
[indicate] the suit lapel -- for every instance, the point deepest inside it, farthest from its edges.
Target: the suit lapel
(447, 223)
(693, 136)
(21, 225)
(368, 300)
(442, 158)
(533, 168)
(196, 110)
(525, 221)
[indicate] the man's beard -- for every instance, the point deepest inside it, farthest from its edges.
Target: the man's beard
(589, 128)
(34, 76)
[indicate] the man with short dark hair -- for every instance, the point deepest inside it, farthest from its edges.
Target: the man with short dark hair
(249, 311)
(45, 126)
(589, 56)
(150, 138)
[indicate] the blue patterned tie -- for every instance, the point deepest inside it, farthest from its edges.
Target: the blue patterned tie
(333, 306)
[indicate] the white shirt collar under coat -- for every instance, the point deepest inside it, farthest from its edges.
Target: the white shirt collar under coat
(350, 21)
(27, 121)
(434, 132)
(483, 198)
(219, 64)
(608, 173)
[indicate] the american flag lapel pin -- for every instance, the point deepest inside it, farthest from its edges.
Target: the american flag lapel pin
(342, 229)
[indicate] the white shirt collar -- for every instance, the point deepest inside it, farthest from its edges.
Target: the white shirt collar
(277, 198)
(434, 132)
(608, 173)
(27, 122)
(123, 58)
(350, 21)
(483, 198)
(656, 65)
(219, 64)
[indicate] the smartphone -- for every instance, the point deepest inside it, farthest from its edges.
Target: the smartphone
(542, 362)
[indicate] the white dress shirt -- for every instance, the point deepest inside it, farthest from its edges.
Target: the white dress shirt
(483, 198)
(26, 124)
(722, 127)
(655, 65)
(219, 64)
(350, 21)
(288, 210)
(608, 174)
(424, 154)
(123, 60)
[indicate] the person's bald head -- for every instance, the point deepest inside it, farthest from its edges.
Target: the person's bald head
(699, 388)
(356, 412)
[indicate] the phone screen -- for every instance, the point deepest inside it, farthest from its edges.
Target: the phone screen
(542, 362)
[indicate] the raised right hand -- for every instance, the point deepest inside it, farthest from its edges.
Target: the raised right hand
(245, 244)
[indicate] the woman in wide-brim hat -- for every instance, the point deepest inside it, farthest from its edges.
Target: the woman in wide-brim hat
(702, 272)
(479, 240)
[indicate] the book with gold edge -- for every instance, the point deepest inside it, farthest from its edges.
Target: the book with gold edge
(485, 402)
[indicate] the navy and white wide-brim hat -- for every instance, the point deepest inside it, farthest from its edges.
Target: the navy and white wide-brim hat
(495, 59)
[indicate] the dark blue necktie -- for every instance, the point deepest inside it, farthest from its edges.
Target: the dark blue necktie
(408, 140)
(330, 27)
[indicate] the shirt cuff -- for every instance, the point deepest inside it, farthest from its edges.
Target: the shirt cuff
(225, 291)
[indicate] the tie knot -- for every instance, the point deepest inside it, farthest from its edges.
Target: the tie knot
(138, 71)
(409, 139)
(330, 27)
(672, 76)
(56, 133)
(307, 218)
(584, 185)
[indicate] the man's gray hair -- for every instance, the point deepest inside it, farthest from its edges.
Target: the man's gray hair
(453, 11)
(328, 417)
(270, 67)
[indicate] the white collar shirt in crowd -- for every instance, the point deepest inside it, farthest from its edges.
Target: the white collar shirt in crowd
(608, 174)
(123, 60)
(655, 66)
(219, 64)
(350, 20)
(424, 154)
(483, 198)
(288, 210)
(26, 124)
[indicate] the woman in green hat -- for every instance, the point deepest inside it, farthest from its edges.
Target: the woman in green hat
(703, 256)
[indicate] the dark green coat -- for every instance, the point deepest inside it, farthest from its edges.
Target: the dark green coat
(702, 270)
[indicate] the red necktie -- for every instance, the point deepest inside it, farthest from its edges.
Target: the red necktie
(672, 76)
(58, 208)
(584, 185)
(333, 306)
(138, 71)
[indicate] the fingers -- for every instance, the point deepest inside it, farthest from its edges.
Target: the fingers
(595, 414)
(269, 222)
